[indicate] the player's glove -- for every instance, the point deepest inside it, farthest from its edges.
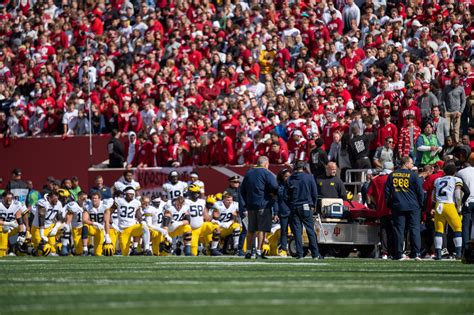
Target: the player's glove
(21, 238)
(7, 228)
(43, 237)
(107, 239)
(55, 229)
(98, 225)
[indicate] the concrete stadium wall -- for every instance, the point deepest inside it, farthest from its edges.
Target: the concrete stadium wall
(39, 158)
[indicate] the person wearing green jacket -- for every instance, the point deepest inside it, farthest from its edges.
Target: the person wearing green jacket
(427, 146)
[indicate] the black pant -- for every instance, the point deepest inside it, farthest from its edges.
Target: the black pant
(387, 236)
(413, 219)
(298, 219)
(467, 221)
(284, 232)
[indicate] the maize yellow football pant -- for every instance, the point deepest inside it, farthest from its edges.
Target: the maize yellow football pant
(202, 234)
(181, 230)
(98, 235)
(36, 237)
(273, 240)
(126, 237)
(77, 240)
(4, 241)
(448, 214)
(156, 239)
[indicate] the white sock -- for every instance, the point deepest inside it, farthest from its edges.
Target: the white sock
(259, 252)
(65, 242)
(236, 241)
(146, 238)
(135, 244)
(84, 249)
(438, 240)
(457, 241)
(214, 244)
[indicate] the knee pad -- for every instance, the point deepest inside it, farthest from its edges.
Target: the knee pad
(187, 237)
(216, 235)
(85, 232)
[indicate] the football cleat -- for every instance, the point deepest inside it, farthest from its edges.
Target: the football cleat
(165, 247)
(261, 256)
(148, 253)
(134, 252)
(468, 257)
(248, 256)
(215, 252)
(64, 251)
(44, 249)
(108, 250)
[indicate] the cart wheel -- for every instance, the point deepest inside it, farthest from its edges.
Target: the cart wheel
(366, 251)
(291, 245)
(340, 251)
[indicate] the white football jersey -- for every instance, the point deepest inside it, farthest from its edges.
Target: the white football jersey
(178, 215)
(226, 214)
(8, 214)
(97, 214)
(154, 215)
(51, 212)
(176, 190)
(76, 210)
(126, 212)
(122, 184)
(196, 211)
(445, 187)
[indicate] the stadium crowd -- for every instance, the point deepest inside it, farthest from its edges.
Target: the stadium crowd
(223, 82)
(340, 84)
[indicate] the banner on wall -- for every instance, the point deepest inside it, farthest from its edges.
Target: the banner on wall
(151, 180)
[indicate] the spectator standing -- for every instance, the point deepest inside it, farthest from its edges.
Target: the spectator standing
(440, 125)
(318, 159)
(33, 195)
(467, 175)
(404, 192)
(99, 187)
(259, 188)
(427, 146)
(408, 136)
(350, 15)
(302, 200)
(453, 102)
(426, 101)
(359, 148)
(75, 188)
(17, 186)
(116, 152)
(384, 154)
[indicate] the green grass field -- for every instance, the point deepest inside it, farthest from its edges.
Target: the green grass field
(203, 285)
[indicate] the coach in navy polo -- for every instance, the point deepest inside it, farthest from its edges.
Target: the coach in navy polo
(259, 189)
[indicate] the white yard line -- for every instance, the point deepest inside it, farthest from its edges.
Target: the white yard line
(237, 263)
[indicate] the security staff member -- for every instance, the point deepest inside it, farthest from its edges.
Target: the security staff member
(302, 198)
(404, 193)
(331, 186)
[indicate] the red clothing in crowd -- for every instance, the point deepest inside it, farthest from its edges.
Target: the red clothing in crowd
(377, 191)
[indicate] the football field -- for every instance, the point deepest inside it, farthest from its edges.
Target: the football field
(204, 285)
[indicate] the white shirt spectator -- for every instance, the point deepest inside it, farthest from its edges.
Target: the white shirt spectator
(70, 119)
